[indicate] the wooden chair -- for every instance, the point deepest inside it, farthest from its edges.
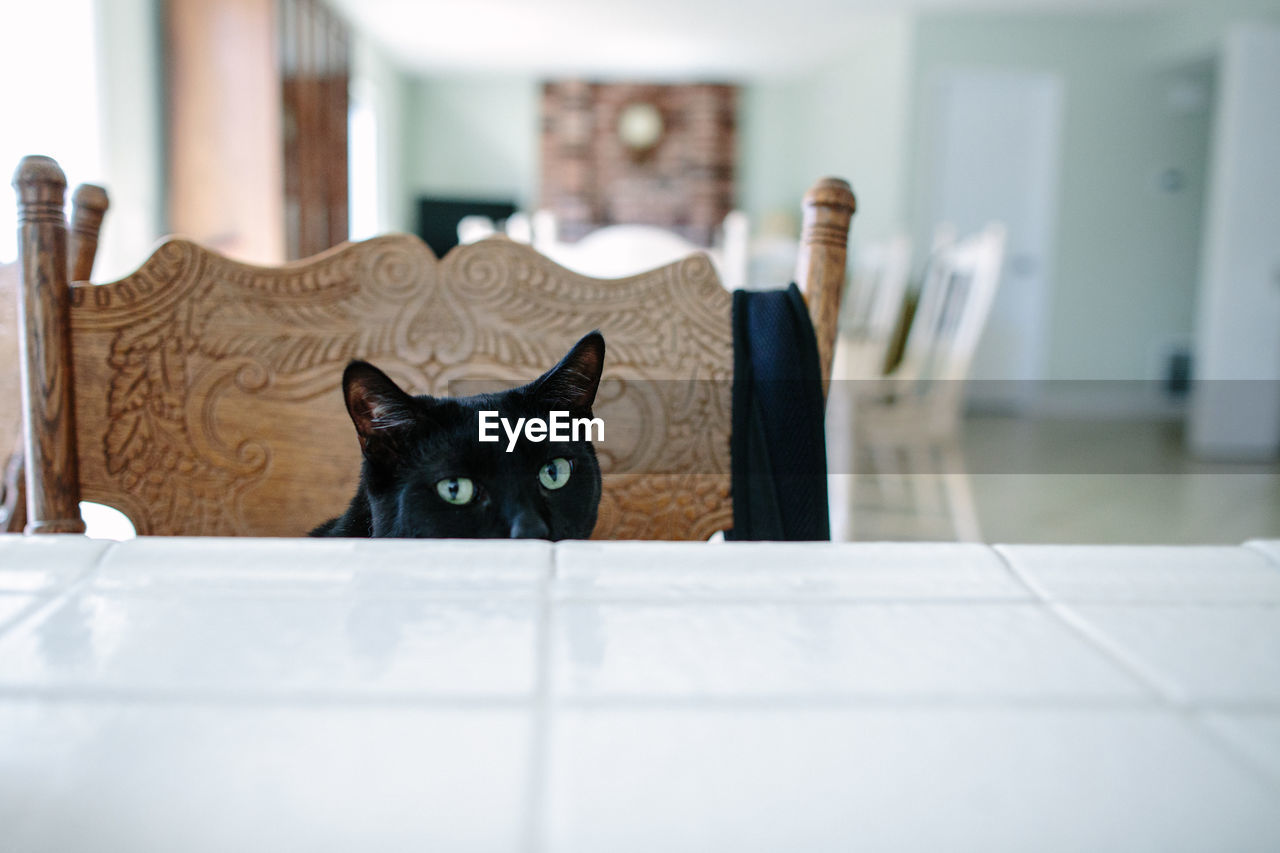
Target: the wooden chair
(201, 395)
(89, 205)
(909, 423)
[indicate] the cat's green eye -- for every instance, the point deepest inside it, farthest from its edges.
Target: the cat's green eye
(555, 473)
(456, 490)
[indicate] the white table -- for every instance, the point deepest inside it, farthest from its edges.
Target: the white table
(219, 695)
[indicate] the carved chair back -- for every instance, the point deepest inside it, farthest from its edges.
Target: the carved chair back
(201, 396)
(89, 205)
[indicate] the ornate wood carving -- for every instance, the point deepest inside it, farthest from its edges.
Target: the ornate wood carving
(208, 392)
(820, 270)
(53, 492)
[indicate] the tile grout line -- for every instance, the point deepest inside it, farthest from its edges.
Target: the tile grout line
(1270, 559)
(243, 697)
(536, 781)
(1013, 574)
(1175, 699)
(1200, 718)
(1149, 679)
(697, 598)
(42, 602)
(349, 697)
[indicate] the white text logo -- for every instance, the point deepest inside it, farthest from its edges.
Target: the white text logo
(559, 427)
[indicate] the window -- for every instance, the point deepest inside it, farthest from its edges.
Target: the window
(58, 117)
(362, 165)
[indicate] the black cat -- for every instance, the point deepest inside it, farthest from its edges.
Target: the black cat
(426, 474)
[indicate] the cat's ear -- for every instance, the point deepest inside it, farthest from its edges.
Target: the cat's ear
(572, 383)
(378, 407)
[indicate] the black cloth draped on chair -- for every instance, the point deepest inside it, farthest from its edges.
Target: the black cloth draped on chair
(778, 446)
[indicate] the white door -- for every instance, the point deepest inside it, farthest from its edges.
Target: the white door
(995, 158)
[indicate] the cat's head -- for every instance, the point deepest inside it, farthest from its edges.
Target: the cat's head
(427, 474)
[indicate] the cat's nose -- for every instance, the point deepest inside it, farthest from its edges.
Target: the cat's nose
(528, 525)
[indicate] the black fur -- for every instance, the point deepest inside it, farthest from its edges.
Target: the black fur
(412, 443)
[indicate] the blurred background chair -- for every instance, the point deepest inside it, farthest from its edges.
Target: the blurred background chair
(201, 397)
(908, 469)
(89, 205)
(615, 251)
(871, 311)
(474, 228)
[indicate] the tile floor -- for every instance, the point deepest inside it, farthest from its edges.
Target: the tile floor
(337, 695)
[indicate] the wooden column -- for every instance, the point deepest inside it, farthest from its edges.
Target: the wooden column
(257, 116)
(88, 205)
(44, 304)
(820, 271)
(225, 151)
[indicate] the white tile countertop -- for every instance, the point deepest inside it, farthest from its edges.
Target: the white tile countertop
(270, 695)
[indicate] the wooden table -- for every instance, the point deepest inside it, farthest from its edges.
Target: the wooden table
(219, 694)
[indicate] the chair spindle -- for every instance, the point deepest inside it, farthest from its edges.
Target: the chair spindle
(820, 271)
(53, 479)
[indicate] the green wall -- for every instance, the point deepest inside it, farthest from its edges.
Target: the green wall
(473, 136)
(849, 119)
(1126, 254)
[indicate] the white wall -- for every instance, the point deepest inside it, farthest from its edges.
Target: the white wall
(1237, 405)
(60, 115)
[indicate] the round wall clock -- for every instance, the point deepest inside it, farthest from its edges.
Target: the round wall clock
(640, 126)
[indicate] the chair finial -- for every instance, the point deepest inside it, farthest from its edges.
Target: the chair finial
(820, 270)
(91, 197)
(837, 197)
(89, 206)
(41, 188)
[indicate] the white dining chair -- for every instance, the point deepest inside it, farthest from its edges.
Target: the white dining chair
(872, 309)
(474, 228)
(617, 251)
(906, 427)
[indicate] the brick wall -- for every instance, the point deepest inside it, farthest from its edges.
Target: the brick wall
(590, 178)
